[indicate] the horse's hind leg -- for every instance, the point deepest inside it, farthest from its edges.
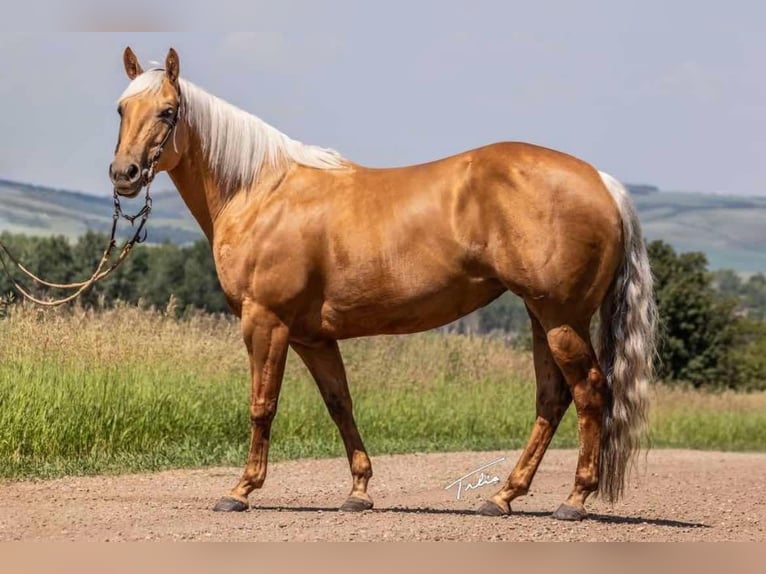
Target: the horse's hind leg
(553, 398)
(326, 366)
(574, 354)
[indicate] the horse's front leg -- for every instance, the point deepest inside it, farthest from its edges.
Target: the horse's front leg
(326, 366)
(266, 338)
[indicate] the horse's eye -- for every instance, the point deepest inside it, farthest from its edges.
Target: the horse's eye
(167, 113)
(119, 110)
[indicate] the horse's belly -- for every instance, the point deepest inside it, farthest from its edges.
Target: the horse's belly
(407, 315)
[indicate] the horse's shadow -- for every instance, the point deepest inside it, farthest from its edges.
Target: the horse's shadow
(603, 518)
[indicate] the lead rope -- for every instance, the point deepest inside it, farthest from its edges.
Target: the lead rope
(100, 273)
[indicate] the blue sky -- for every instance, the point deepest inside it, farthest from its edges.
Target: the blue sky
(672, 94)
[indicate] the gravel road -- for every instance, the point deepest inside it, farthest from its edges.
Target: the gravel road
(680, 496)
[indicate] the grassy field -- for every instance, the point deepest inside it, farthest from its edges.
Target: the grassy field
(129, 389)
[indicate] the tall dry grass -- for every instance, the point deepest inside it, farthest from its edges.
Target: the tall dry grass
(133, 389)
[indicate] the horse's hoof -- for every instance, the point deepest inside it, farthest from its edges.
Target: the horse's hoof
(567, 512)
(490, 508)
(229, 504)
(354, 504)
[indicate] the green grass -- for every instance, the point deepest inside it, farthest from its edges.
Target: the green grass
(131, 390)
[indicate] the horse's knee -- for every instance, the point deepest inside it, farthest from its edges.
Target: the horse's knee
(262, 413)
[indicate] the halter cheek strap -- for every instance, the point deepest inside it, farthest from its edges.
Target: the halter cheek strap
(172, 123)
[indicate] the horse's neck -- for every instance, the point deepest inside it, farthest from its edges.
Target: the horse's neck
(196, 183)
(195, 191)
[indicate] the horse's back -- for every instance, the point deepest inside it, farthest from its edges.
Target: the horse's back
(526, 214)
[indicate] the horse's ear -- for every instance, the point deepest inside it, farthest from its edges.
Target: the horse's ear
(172, 66)
(132, 67)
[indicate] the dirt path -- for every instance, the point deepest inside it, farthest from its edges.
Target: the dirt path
(682, 495)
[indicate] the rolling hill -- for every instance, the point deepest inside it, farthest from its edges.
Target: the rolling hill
(35, 210)
(730, 230)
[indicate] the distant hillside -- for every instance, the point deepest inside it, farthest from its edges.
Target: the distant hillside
(730, 230)
(38, 210)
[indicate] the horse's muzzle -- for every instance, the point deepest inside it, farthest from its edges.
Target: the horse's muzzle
(126, 177)
(128, 190)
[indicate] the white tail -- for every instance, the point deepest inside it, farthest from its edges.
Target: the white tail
(626, 341)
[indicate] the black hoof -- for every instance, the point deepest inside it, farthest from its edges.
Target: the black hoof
(566, 512)
(354, 504)
(489, 508)
(228, 504)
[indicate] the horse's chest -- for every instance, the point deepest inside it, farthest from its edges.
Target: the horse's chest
(231, 272)
(269, 276)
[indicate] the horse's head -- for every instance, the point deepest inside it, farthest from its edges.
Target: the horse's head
(151, 138)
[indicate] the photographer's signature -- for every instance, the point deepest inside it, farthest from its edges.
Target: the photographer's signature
(483, 479)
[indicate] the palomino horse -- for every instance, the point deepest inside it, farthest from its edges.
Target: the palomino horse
(311, 248)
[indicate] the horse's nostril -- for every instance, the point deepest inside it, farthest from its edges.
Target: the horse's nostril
(132, 172)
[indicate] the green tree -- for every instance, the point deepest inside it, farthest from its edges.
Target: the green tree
(50, 258)
(727, 282)
(151, 274)
(754, 296)
(749, 355)
(698, 324)
(164, 275)
(200, 287)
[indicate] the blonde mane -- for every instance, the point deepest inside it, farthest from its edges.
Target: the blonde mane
(235, 142)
